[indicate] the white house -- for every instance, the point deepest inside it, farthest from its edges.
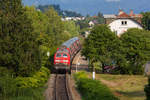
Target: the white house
(122, 22)
(91, 23)
(119, 26)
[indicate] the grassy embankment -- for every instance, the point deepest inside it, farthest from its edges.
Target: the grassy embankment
(92, 89)
(125, 87)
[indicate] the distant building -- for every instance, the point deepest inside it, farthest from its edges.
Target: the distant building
(109, 18)
(91, 23)
(122, 22)
(72, 18)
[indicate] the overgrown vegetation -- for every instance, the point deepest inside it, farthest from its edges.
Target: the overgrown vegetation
(63, 13)
(146, 20)
(26, 35)
(18, 50)
(92, 89)
(25, 88)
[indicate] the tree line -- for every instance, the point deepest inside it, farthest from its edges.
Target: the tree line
(26, 35)
(127, 53)
(63, 13)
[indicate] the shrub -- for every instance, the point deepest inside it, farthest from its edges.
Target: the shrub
(79, 75)
(37, 80)
(92, 89)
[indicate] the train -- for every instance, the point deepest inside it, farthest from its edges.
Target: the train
(65, 54)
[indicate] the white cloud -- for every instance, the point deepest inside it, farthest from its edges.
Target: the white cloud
(113, 0)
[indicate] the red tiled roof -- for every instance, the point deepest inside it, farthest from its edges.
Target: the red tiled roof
(94, 16)
(122, 14)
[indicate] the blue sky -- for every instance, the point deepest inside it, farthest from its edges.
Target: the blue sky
(92, 7)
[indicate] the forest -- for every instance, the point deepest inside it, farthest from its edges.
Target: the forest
(26, 35)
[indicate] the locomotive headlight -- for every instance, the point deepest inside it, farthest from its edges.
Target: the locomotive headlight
(57, 60)
(65, 60)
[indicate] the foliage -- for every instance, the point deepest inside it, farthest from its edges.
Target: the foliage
(18, 50)
(147, 89)
(26, 35)
(146, 20)
(71, 28)
(136, 45)
(22, 88)
(51, 31)
(83, 24)
(57, 8)
(37, 80)
(64, 13)
(10, 91)
(71, 14)
(92, 89)
(79, 75)
(100, 45)
(127, 54)
(7, 84)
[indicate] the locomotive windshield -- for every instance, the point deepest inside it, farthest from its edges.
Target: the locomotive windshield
(58, 55)
(65, 55)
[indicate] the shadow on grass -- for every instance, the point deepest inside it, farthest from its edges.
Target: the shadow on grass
(132, 94)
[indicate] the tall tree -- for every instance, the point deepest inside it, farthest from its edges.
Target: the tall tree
(100, 44)
(136, 43)
(18, 50)
(146, 20)
(56, 27)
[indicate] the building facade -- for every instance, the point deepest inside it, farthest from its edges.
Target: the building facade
(122, 22)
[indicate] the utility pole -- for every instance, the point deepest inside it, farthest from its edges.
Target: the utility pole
(93, 72)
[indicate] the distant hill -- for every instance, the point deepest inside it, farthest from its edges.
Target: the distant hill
(92, 7)
(64, 13)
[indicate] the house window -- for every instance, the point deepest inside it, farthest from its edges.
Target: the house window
(123, 22)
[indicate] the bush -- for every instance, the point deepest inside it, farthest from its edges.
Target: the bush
(37, 80)
(22, 88)
(79, 75)
(147, 89)
(92, 89)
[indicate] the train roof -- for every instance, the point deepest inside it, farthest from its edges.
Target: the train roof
(69, 42)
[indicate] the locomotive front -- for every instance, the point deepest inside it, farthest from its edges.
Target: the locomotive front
(62, 59)
(65, 54)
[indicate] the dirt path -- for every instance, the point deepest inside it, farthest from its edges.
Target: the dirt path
(113, 84)
(75, 94)
(49, 91)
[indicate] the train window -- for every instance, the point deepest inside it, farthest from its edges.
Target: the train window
(65, 55)
(58, 55)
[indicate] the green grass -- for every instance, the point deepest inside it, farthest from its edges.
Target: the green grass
(125, 87)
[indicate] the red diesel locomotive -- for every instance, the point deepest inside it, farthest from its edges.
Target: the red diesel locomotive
(65, 54)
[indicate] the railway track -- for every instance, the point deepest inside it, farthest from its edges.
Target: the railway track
(62, 91)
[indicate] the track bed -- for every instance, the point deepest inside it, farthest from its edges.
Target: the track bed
(62, 91)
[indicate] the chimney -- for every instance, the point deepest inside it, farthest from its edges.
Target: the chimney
(120, 12)
(131, 13)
